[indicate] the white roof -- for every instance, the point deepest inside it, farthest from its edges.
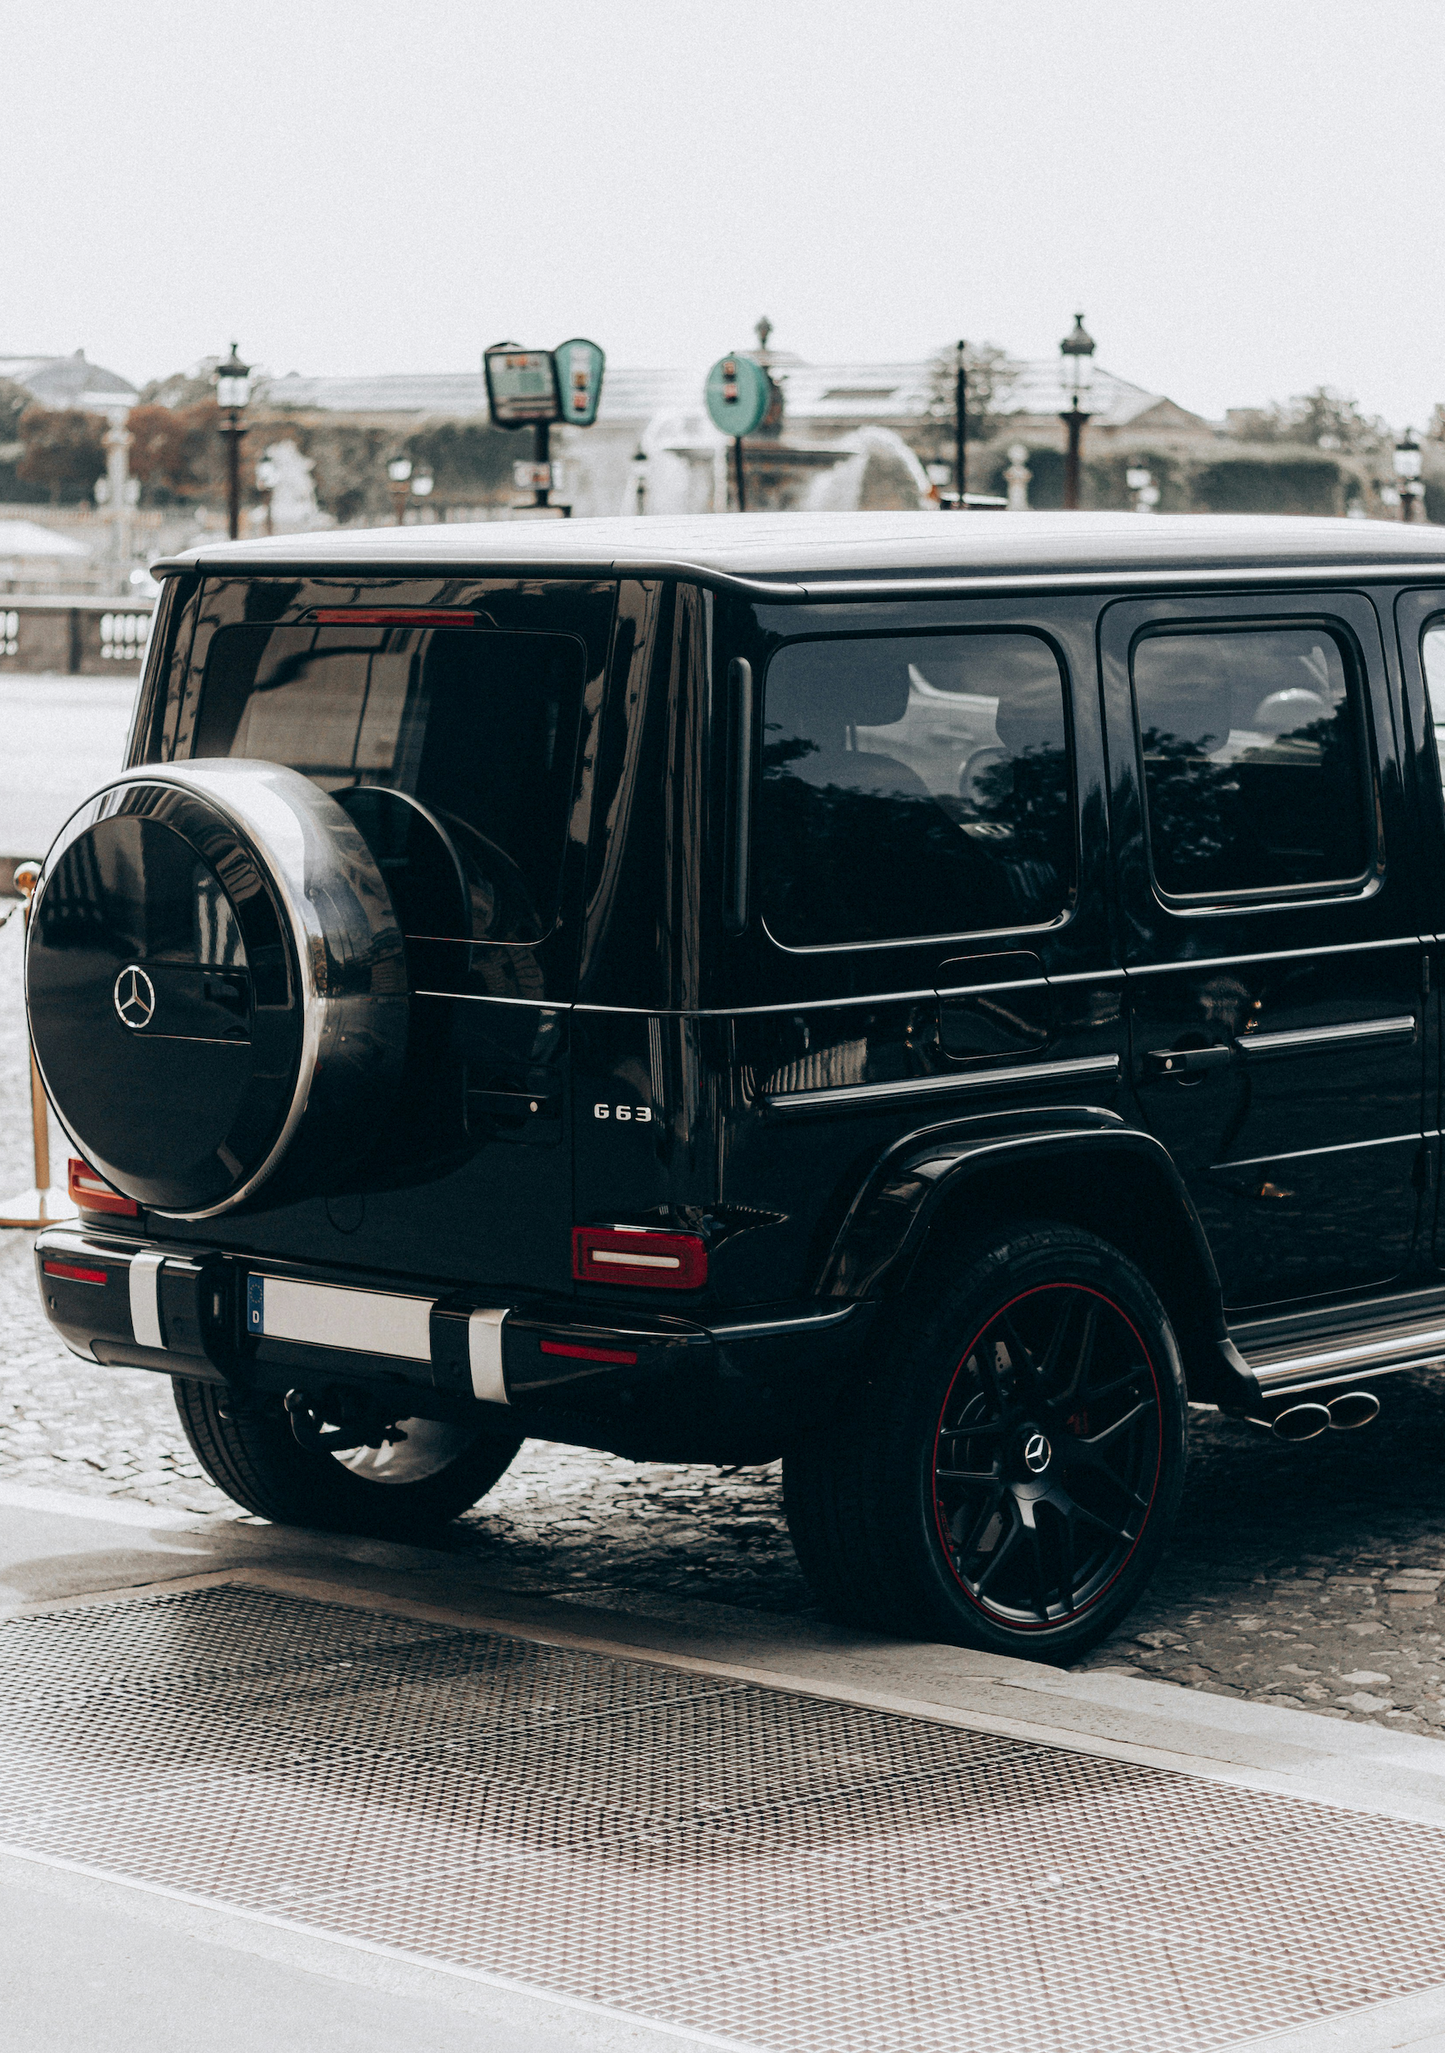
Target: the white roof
(823, 545)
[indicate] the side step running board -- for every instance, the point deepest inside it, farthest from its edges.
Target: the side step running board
(1380, 1353)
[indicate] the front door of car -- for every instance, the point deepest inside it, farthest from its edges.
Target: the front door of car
(1420, 621)
(1274, 966)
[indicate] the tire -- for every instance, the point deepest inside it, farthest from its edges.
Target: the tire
(250, 1451)
(1007, 1475)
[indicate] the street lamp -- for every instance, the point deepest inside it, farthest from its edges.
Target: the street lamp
(398, 472)
(1077, 350)
(1407, 470)
(233, 389)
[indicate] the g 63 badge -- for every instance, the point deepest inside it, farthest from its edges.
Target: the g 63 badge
(642, 1114)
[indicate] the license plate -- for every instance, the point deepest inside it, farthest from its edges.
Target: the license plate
(330, 1315)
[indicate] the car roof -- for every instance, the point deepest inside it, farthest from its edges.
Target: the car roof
(804, 548)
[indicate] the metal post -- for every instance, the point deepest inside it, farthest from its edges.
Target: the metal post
(1073, 421)
(41, 1204)
(233, 432)
(542, 453)
(960, 417)
(738, 468)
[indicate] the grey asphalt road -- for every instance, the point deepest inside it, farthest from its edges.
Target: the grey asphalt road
(62, 737)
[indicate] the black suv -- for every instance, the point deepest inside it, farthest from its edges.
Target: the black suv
(926, 998)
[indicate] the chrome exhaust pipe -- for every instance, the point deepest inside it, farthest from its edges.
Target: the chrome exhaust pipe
(1303, 1422)
(1353, 1409)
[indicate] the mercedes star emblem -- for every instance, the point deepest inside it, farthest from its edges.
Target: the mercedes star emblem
(135, 997)
(1037, 1451)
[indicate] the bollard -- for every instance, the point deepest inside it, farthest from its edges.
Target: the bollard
(42, 1204)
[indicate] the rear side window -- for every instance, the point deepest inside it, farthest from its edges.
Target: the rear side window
(1432, 657)
(1255, 765)
(914, 786)
(452, 748)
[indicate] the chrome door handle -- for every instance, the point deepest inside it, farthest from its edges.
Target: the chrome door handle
(1186, 1061)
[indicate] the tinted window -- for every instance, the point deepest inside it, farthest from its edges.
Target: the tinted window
(1432, 656)
(912, 787)
(473, 731)
(1254, 761)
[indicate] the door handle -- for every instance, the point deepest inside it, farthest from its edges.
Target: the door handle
(1186, 1061)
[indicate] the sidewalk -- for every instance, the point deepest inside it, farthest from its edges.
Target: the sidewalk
(802, 1832)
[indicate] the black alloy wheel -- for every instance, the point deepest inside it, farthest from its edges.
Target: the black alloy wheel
(1048, 1456)
(1006, 1471)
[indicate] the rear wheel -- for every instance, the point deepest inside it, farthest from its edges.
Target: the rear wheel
(284, 1461)
(1009, 1474)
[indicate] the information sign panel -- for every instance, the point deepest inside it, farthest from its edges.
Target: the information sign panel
(521, 385)
(737, 394)
(579, 380)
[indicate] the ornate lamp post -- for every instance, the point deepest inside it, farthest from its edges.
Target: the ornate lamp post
(1407, 470)
(1077, 350)
(233, 389)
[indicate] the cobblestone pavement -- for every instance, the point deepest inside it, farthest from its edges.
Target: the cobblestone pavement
(1308, 1575)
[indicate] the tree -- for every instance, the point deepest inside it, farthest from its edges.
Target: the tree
(62, 450)
(992, 374)
(176, 451)
(1322, 419)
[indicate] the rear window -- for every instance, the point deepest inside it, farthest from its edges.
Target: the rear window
(453, 749)
(914, 786)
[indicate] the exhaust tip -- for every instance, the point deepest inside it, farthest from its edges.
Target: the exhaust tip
(1353, 1409)
(1303, 1422)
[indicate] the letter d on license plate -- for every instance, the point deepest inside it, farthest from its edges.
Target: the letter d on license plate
(255, 1304)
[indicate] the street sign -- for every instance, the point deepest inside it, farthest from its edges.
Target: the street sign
(737, 394)
(579, 380)
(521, 385)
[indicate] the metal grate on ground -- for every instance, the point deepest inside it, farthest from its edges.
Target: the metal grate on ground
(763, 1867)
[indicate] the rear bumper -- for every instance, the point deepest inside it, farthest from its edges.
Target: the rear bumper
(558, 1368)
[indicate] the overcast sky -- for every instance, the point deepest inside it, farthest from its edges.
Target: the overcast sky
(1244, 196)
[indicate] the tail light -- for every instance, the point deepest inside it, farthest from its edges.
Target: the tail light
(91, 1193)
(390, 616)
(73, 1272)
(640, 1255)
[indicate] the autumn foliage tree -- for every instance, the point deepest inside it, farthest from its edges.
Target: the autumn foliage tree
(62, 451)
(176, 450)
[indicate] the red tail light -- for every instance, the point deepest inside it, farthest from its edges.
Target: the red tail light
(624, 1355)
(389, 616)
(91, 1193)
(73, 1273)
(640, 1255)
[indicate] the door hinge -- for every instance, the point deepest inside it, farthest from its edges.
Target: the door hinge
(1422, 1176)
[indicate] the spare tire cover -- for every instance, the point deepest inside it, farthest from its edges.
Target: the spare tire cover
(216, 983)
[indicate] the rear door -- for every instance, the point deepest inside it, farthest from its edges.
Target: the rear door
(1274, 964)
(458, 737)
